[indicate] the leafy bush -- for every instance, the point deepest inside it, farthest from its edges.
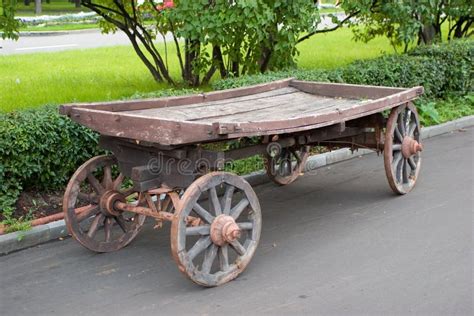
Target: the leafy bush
(443, 110)
(398, 71)
(39, 149)
(311, 75)
(456, 60)
(442, 69)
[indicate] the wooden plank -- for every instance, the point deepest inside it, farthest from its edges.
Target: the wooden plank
(289, 109)
(342, 90)
(137, 127)
(118, 106)
(222, 107)
(269, 127)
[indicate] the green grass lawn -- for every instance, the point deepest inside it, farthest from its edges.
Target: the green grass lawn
(334, 49)
(55, 7)
(80, 75)
(32, 80)
(59, 27)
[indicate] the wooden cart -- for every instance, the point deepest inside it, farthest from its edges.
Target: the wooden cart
(163, 166)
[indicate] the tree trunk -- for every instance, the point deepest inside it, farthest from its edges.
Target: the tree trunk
(235, 68)
(462, 26)
(429, 34)
(38, 7)
(191, 54)
(78, 3)
(265, 59)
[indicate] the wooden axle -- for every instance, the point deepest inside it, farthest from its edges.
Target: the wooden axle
(158, 215)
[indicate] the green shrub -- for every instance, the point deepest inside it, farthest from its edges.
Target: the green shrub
(398, 71)
(311, 75)
(444, 110)
(457, 62)
(443, 69)
(39, 149)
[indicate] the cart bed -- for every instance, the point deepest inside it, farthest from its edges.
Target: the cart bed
(281, 104)
(276, 108)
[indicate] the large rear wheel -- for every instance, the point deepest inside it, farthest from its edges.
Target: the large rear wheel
(220, 247)
(402, 149)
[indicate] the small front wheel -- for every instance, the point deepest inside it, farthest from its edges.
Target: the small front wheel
(88, 206)
(218, 246)
(285, 166)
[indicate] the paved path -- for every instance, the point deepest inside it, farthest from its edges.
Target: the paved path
(338, 242)
(66, 41)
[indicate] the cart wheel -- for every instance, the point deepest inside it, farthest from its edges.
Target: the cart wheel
(287, 165)
(216, 248)
(88, 207)
(402, 148)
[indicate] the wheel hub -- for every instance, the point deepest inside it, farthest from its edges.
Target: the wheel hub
(224, 229)
(410, 147)
(107, 201)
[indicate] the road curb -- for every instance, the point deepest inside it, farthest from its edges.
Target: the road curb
(56, 33)
(40, 234)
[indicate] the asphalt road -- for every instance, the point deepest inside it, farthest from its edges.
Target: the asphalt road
(337, 242)
(72, 40)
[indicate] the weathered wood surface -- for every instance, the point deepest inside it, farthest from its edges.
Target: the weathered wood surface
(130, 105)
(284, 106)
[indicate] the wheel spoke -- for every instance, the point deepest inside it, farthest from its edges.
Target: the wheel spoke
(296, 155)
(107, 180)
(209, 256)
(227, 199)
(401, 124)
(412, 163)
(215, 201)
(199, 247)
(238, 247)
(236, 210)
(406, 172)
(95, 225)
(396, 147)
(398, 134)
(411, 129)
(396, 159)
(89, 198)
(282, 167)
(398, 168)
(198, 230)
(108, 228)
(288, 168)
(118, 182)
(203, 213)
(86, 213)
(122, 223)
(95, 183)
(245, 225)
(223, 253)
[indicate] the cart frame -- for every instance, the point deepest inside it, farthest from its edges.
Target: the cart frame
(172, 170)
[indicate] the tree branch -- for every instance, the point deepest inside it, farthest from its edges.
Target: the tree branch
(341, 23)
